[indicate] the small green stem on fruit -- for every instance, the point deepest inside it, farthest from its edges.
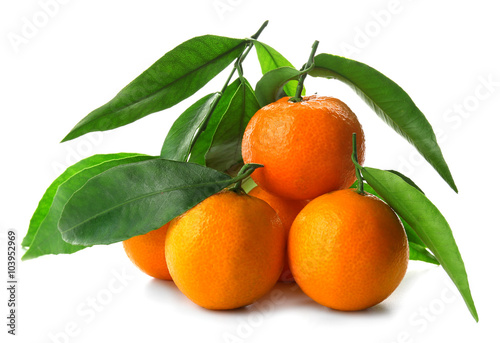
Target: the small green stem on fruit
(237, 67)
(354, 158)
(300, 86)
(244, 172)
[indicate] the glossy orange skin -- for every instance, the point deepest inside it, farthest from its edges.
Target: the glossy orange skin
(305, 147)
(287, 210)
(227, 251)
(348, 251)
(147, 252)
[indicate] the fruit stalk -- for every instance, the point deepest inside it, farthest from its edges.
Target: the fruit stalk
(300, 86)
(360, 188)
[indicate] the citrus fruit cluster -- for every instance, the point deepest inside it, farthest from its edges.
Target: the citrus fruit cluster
(183, 215)
(346, 249)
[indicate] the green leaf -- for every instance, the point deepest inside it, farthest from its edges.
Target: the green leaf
(225, 149)
(413, 238)
(48, 197)
(180, 138)
(406, 178)
(429, 224)
(420, 253)
(390, 102)
(269, 87)
(203, 143)
(133, 199)
(411, 234)
(270, 59)
(173, 78)
(43, 236)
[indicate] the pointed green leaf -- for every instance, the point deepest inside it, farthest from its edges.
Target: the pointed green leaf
(174, 77)
(429, 224)
(390, 102)
(269, 87)
(406, 178)
(47, 199)
(420, 253)
(270, 59)
(43, 236)
(133, 199)
(225, 150)
(202, 144)
(411, 234)
(180, 138)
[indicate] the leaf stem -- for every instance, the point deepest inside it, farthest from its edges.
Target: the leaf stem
(354, 158)
(300, 86)
(243, 55)
(244, 172)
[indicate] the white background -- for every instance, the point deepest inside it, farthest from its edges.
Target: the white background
(86, 51)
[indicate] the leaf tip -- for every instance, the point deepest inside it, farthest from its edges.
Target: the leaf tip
(26, 242)
(473, 312)
(451, 183)
(26, 256)
(67, 138)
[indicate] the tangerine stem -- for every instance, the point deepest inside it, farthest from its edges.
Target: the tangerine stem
(244, 54)
(354, 158)
(257, 34)
(300, 86)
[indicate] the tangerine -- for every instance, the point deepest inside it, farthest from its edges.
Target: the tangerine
(348, 251)
(147, 252)
(287, 210)
(227, 251)
(304, 146)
